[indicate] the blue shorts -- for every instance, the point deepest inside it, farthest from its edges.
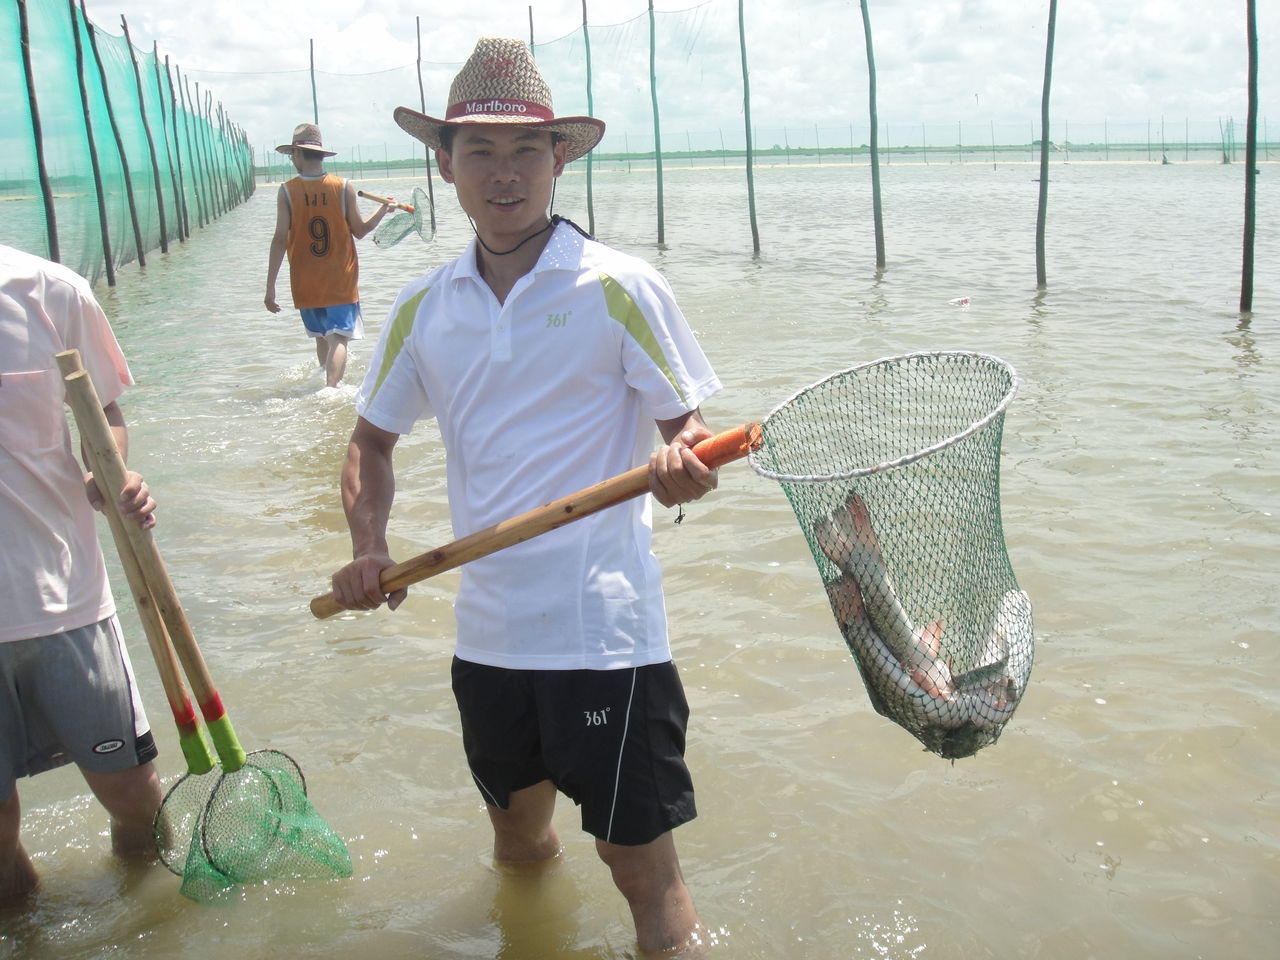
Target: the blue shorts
(343, 320)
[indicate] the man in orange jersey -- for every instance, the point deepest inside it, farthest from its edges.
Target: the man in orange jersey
(317, 224)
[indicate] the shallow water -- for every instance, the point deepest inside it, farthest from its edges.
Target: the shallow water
(1130, 808)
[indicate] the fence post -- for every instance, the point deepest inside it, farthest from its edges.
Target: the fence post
(193, 159)
(657, 126)
(746, 110)
(37, 134)
(115, 132)
(586, 41)
(93, 151)
(422, 99)
(151, 143)
(877, 213)
(180, 195)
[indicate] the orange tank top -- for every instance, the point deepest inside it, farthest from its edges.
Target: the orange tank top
(323, 270)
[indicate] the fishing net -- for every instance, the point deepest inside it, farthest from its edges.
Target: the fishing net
(892, 468)
(420, 220)
(219, 829)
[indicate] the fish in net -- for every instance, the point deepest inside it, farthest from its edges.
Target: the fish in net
(892, 469)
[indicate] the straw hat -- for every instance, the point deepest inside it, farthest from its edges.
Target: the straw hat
(306, 136)
(500, 83)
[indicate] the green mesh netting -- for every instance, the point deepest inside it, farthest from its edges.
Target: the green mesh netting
(219, 829)
(420, 221)
(107, 153)
(893, 471)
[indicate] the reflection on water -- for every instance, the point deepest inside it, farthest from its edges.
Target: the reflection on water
(1130, 807)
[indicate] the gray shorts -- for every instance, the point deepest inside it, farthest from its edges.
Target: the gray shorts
(70, 697)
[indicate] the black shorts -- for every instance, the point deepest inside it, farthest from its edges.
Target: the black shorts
(610, 740)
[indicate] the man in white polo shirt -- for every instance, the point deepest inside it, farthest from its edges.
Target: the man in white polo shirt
(547, 358)
(67, 691)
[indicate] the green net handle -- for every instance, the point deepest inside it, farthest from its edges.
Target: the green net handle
(226, 743)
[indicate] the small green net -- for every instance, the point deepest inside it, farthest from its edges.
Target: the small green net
(219, 829)
(420, 221)
(893, 470)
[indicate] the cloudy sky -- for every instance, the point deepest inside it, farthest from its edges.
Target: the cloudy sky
(940, 64)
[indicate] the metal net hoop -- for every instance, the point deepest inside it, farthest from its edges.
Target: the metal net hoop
(811, 428)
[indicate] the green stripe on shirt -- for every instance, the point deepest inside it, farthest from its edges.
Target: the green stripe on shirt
(623, 309)
(401, 324)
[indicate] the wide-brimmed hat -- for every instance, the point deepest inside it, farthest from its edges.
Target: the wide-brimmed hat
(500, 83)
(306, 136)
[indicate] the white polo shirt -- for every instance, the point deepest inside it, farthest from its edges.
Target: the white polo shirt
(52, 577)
(552, 391)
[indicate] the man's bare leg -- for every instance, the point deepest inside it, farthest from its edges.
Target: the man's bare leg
(131, 798)
(335, 362)
(523, 832)
(17, 875)
(649, 877)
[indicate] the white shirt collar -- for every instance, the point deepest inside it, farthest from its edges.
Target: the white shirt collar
(562, 252)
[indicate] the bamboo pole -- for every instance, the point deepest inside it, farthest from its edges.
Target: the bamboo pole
(211, 160)
(1250, 160)
(180, 198)
(151, 143)
(746, 111)
(876, 209)
(93, 150)
(422, 99)
(193, 160)
(657, 126)
(130, 200)
(1043, 204)
(315, 101)
(37, 135)
(586, 41)
(199, 166)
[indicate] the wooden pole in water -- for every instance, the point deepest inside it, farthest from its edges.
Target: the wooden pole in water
(422, 99)
(1250, 160)
(193, 161)
(105, 87)
(103, 228)
(151, 143)
(37, 135)
(657, 126)
(315, 101)
(1043, 204)
(202, 151)
(586, 43)
(184, 211)
(214, 171)
(206, 159)
(877, 212)
(746, 111)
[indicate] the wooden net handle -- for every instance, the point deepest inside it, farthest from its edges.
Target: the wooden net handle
(96, 434)
(714, 452)
(407, 207)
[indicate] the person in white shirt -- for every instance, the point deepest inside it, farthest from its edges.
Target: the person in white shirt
(67, 691)
(546, 358)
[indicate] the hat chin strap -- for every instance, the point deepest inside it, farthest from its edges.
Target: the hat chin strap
(502, 253)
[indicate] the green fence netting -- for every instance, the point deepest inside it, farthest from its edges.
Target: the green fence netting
(106, 152)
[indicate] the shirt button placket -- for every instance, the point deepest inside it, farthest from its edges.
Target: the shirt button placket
(502, 335)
